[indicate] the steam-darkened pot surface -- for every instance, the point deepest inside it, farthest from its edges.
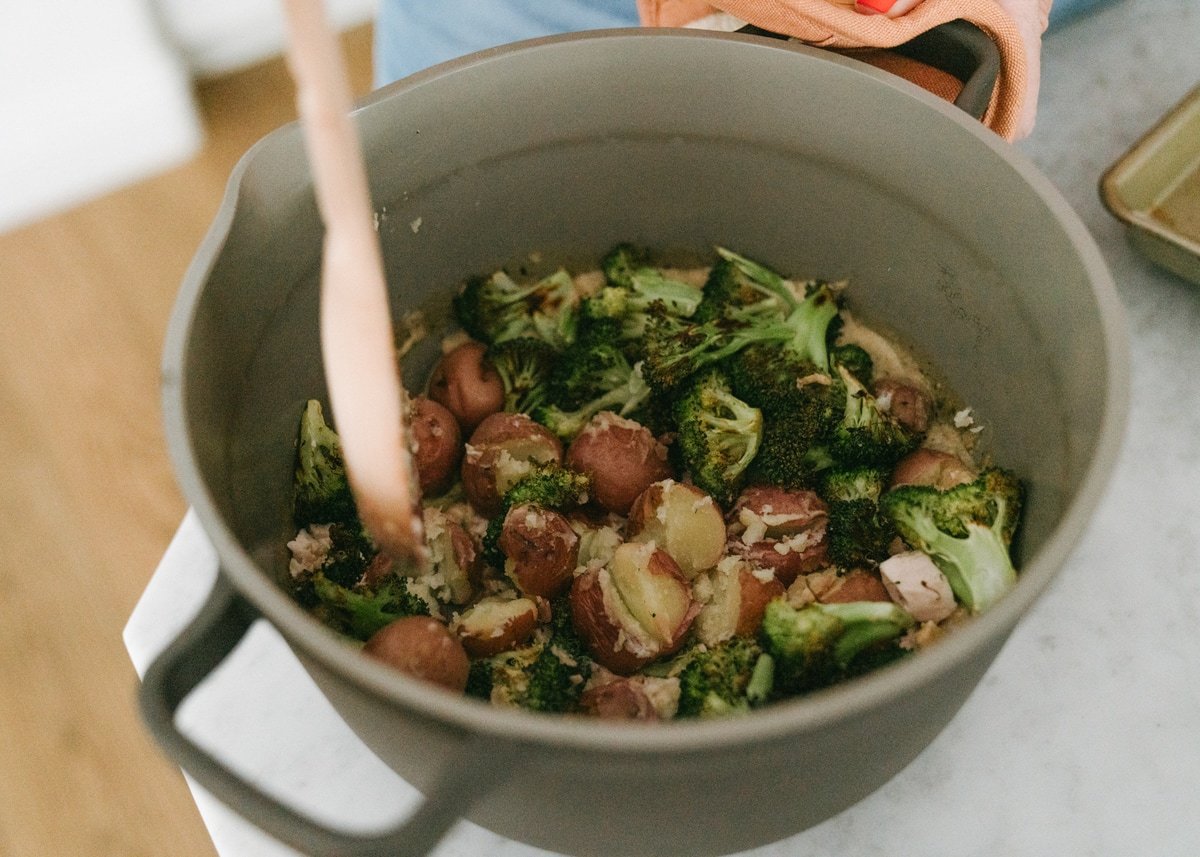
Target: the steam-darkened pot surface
(817, 166)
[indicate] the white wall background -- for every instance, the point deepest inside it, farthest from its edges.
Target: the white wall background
(95, 94)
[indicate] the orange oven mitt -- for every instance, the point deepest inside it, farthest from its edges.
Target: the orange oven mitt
(837, 26)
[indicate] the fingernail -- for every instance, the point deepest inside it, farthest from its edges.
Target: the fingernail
(873, 7)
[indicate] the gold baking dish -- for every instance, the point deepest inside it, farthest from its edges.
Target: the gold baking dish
(1155, 189)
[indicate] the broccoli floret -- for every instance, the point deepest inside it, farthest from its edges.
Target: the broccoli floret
(628, 396)
(586, 371)
(628, 268)
(563, 634)
(859, 533)
(856, 360)
(820, 644)
(721, 680)
(321, 491)
(854, 483)
(792, 452)
(718, 435)
(780, 383)
(967, 531)
(479, 679)
(622, 261)
(674, 352)
(350, 552)
(523, 364)
(866, 436)
(497, 308)
(737, 283)
(537, 677)
(550, 486)
(360, 611)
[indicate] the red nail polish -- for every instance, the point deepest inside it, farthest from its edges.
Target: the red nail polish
(874, 7)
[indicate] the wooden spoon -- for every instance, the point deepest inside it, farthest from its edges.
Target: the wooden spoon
(357, 341)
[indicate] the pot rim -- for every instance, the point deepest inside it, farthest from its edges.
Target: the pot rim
(413, 697)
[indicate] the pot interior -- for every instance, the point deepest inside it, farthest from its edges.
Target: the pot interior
(814, 165)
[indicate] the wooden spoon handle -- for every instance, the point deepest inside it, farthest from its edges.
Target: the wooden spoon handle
(357, 340)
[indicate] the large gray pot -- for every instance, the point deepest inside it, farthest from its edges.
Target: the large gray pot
(814, 164)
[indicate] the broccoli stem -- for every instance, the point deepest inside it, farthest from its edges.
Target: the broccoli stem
(978, 566)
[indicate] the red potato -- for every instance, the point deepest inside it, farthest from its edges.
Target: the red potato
(424, 648)
(436, 444)
(621, 457)
(465, 383)
(633, 611)
(541, 548)
(932, 467)
(782, 530)
(452, 554)
(908, 405)
(682, 520)
(620, 699)
(857, 585)
(501, 451)
(738, 595)
(493, 625)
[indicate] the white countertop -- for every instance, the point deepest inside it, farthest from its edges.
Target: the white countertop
(1084, 737)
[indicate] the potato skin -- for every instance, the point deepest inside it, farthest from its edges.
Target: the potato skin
(501, 442)
(910, 406)
(792, 522)
(424, 648)
(465, 383)
(857, 585)
(756, 593)
(931, 467)
(542, 549)
(621, 457)
(437, 445)
(647, 581)
(492, 626)
(601, 632)
(740, 594)
(620, 699)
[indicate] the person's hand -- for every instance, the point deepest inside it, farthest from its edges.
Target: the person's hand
(1030, 16)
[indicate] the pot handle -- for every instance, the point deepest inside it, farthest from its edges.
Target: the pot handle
(473, 770)
(958, 48)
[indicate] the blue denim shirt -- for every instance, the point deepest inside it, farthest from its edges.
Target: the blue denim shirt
(410, 36)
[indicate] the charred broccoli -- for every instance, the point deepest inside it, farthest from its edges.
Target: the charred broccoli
(856, 360)
(792, 452)
(542, 676)
(627, 268)
(350, 552)
(321, 491)
(718, 435)
(725, 679)
(618, 387)
(966, 530)
(859, 532)
(524, 365)
(819, 644)
(359, 611)
(866, 436)
(800, 327)
(496, 308)
(737, 283)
